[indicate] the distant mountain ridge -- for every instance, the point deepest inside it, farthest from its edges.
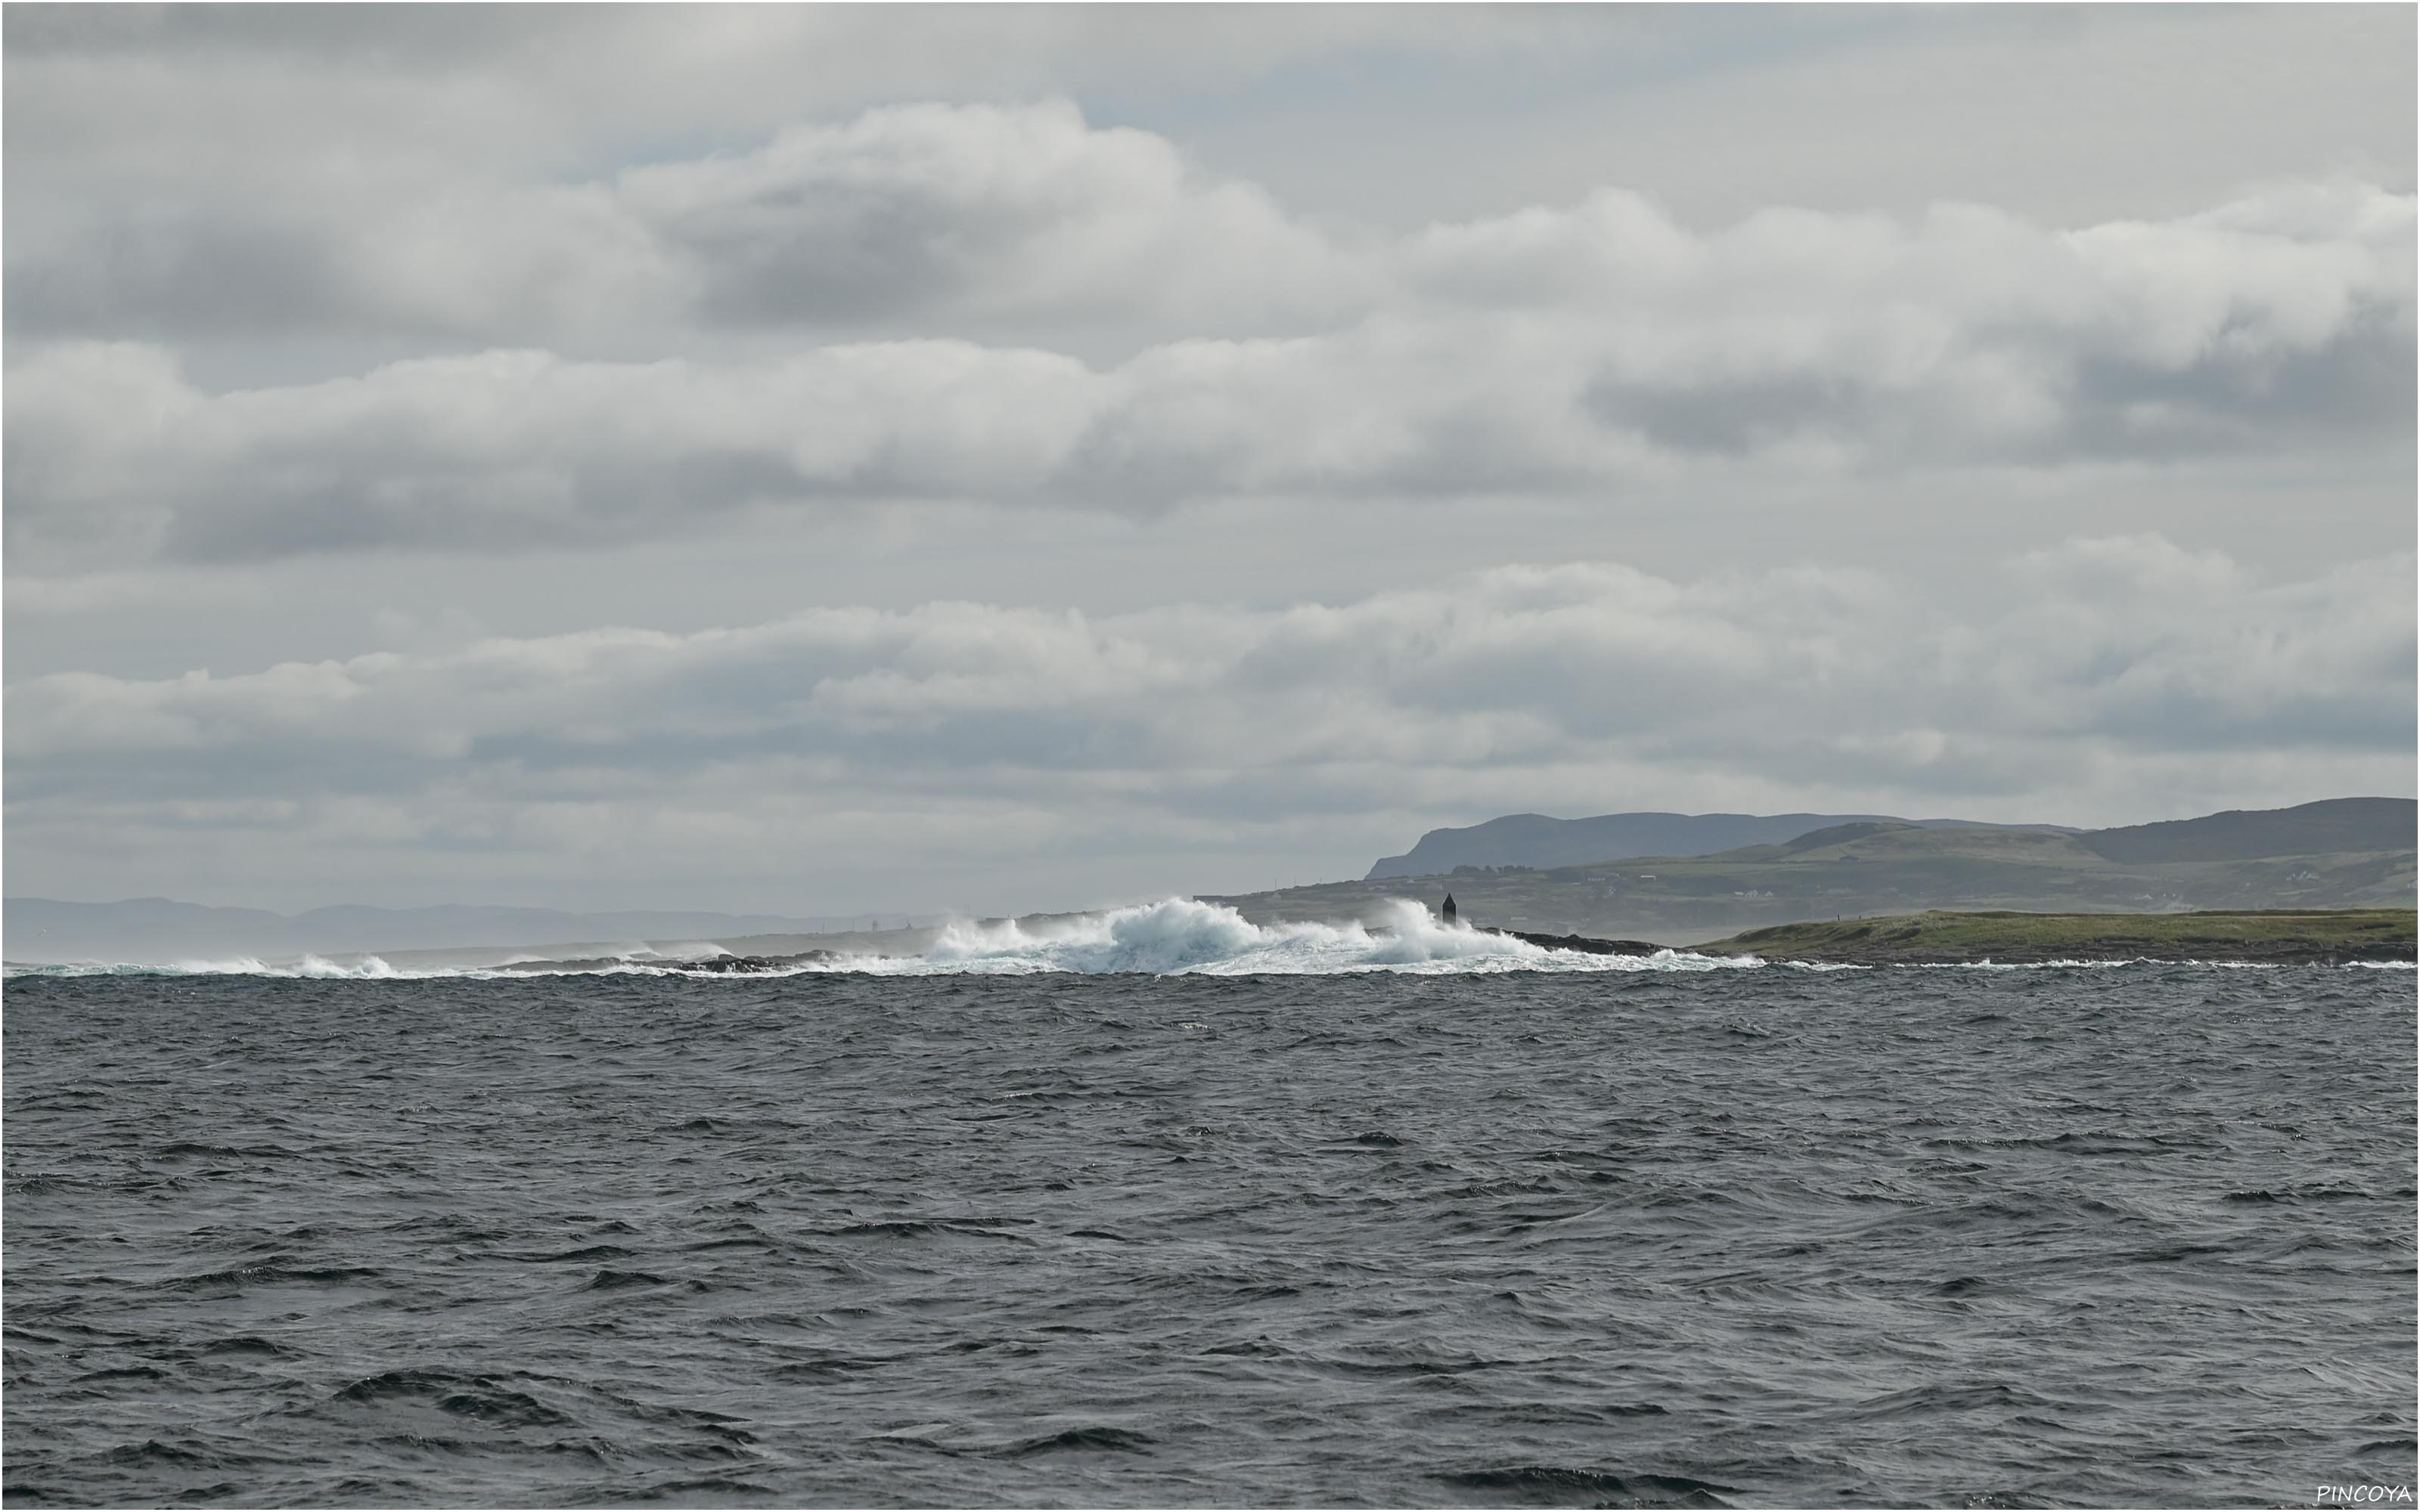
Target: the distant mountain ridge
(2326, 826)
(160, 929)
(1539, 841)
(2330, 824)
(2355, 852)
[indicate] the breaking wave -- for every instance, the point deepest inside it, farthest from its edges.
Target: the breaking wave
(1175, 936)
(1184, 935)
(369, 969)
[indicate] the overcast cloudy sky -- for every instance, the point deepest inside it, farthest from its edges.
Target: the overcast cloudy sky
(820, 460)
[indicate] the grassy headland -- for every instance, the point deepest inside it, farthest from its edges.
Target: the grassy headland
(2282, 936)
(1859, 872)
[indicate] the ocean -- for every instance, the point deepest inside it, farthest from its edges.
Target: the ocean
(1206, 1215)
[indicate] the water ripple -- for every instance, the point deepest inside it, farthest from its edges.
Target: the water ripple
(2135, 1235)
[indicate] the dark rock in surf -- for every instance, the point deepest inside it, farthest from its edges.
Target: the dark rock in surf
(724, 966)
(751, 965)
(1582, 943)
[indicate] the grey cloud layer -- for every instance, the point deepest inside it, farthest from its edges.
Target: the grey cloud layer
(1559, 349)
(517, 316)
(948, 217)
(2116, 668)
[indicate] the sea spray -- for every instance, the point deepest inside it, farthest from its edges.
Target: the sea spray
(1174, 936)
(1184, 935)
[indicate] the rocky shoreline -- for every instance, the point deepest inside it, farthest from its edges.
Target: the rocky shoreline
(2314, 937)
(715, 966)
(2309, 937)
(2284, 955)
(1582, 943)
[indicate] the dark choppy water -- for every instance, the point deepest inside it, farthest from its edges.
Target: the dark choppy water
(2139, 1235)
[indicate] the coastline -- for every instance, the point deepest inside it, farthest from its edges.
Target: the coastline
(2331, 937)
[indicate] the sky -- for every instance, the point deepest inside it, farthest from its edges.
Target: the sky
(827, 459)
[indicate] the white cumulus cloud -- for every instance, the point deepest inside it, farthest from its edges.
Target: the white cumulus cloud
(1558, 352)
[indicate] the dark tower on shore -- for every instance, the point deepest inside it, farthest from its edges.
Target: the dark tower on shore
(1450, 914)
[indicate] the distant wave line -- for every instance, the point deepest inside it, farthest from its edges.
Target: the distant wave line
(1174, 936)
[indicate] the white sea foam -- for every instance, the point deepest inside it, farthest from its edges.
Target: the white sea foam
(1174, 936)
(1182, 936)
(369, 968)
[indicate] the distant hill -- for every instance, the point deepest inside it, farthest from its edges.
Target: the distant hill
(2246, 834)
(1884, 867)
(1537, 840)
(160, 930)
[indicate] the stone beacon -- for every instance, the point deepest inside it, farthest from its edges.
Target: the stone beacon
(1450, 914)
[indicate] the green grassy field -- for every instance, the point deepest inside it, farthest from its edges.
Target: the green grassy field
(2285, 935)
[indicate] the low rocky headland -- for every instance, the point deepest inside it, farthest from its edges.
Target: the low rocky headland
(1584, 944)
(715, 966)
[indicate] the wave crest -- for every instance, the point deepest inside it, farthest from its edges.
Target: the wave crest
(311, 967)
(1172, 937)
(1185, 935)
